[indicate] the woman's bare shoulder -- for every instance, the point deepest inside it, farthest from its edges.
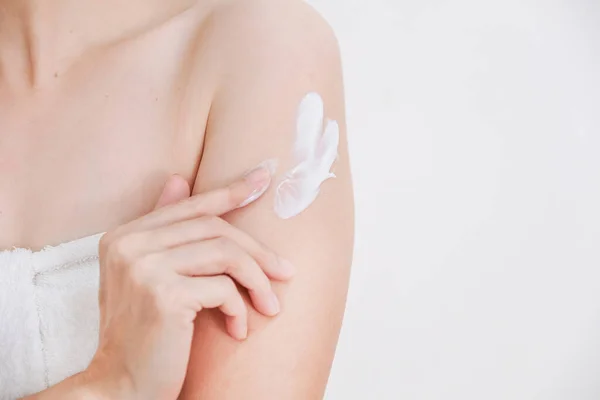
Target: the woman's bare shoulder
(265, 17)
(247, 39)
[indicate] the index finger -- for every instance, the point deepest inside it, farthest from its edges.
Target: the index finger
(215, 202)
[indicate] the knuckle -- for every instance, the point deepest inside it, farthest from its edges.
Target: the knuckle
(233, 266)
(121, 249)
(219, 224)
(214, 223)
(139, 270)
(109, 238)
(198, 207)
(165, 298)
(234, 262)
(228, 285)
(194, 206)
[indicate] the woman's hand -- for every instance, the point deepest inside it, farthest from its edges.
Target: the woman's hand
(159, 271)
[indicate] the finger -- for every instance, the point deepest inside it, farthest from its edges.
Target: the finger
(216, 202)
(219, 291)
(216, 257)
(176, 189)
(205, 228)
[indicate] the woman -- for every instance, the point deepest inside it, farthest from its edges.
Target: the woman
(125, 131)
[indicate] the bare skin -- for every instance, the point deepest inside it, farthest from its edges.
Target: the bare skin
(94, 121)
(100, 105)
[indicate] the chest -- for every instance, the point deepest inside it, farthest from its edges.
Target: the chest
(95, 151)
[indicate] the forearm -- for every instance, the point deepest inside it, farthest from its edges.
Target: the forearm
(75, 387)
(92, 384)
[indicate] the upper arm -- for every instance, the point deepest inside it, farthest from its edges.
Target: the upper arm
(278, 57)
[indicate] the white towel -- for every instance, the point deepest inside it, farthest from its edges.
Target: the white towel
(48, 314)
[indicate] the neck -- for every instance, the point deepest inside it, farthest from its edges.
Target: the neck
(41, 39)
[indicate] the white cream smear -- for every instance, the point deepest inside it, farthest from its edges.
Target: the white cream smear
(315, 151)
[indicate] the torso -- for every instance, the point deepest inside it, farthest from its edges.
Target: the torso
(93, 150)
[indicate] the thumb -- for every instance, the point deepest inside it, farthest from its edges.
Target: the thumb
(176, 189)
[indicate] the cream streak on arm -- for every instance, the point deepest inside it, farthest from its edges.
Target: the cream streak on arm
(315, 151)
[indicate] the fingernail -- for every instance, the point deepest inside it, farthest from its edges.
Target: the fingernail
(275, 307)
(244, 334)
(286, 267)
(262, 172)
(260, 178)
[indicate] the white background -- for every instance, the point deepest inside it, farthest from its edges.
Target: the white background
(474, 129)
